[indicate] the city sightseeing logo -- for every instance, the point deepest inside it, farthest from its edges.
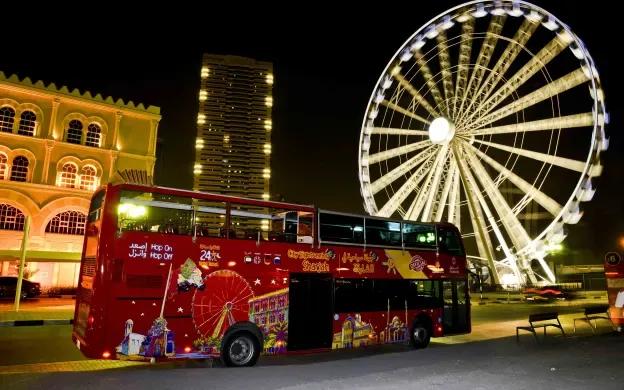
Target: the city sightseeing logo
(417, 263)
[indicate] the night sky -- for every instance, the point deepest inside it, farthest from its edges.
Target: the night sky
(326, 59)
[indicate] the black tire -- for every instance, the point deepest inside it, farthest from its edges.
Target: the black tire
(241, 349)
(420, 335)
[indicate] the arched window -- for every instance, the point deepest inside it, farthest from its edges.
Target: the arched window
(88, 178)
(4, 166)
(68, 222)
(28, 122)
(11, 218)
(19, 170)
(67, 177)
(74, 132)
(7, 119)
(93, 135)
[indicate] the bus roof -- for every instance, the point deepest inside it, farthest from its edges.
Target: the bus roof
(213, 197)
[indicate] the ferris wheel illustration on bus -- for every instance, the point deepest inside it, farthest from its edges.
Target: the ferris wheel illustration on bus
(492, 117)
(223, 302)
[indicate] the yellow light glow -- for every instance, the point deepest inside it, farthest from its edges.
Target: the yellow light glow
(205, 72)
(268, 101)
(203, 95)
(199, 143)
(118, 146)
(395, 70)
(265, 196)
(226, 138)
(130, 210)
(201, 119)
(268, 124)
(269, 78)
(267, 148)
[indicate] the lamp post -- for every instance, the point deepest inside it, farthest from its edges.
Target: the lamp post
(20, 277)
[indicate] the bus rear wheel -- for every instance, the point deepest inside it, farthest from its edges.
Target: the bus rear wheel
(420, 335)
(241, 349)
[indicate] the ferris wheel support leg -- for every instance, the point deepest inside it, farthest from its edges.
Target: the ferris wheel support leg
(475, 212)
(549, 274)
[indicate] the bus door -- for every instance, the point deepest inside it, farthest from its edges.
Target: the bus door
(456, 306)
(310, 311)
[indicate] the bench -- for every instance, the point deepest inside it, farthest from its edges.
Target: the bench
(541, 320)
(594, 313)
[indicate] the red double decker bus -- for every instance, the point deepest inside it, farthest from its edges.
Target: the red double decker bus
(170, 273)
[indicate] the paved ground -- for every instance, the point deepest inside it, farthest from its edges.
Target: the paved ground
(570, 363)
(32, 357)
(38, 309)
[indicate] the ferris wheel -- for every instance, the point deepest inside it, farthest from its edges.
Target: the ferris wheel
(491, 116)
(223, 302)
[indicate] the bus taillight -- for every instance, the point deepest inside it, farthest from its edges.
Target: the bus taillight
(106, 354)
(90, 320)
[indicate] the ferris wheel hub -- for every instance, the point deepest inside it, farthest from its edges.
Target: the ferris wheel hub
(441, 131)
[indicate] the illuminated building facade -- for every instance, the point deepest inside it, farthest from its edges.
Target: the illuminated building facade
(56, 148)
(233, 145)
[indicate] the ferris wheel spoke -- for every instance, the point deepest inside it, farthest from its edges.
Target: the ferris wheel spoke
(211, 318)
(401, 170)
(562, 122)
(403, 111)
(514, 47)
(428, 77)
(534, 65)
(396, 131)
(395, 152)
(418, 203)
(491, 219)
(519, 237)
(485, 54)
(448, 181)
(435, 182)
(408, 187)
(562, 162)
(549, 204)
(556, 87)
(420, 99)
(465, 48)
(445, 68)
(454, 197)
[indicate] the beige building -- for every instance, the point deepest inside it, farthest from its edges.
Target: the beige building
(56, 147)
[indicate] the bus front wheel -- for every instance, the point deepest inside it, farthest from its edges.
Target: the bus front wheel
(240, 350)
(420, 335)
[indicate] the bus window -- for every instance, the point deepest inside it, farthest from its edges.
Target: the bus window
(95, 209)
(304, 228)
(423, 294)
(449, 241)
(357, 295)
(380, 232)
(249, 223)
(419, 235)
(209, 218)
(158, 213)
(341, 228)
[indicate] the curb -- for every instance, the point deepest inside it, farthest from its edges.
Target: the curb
(35, 322)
